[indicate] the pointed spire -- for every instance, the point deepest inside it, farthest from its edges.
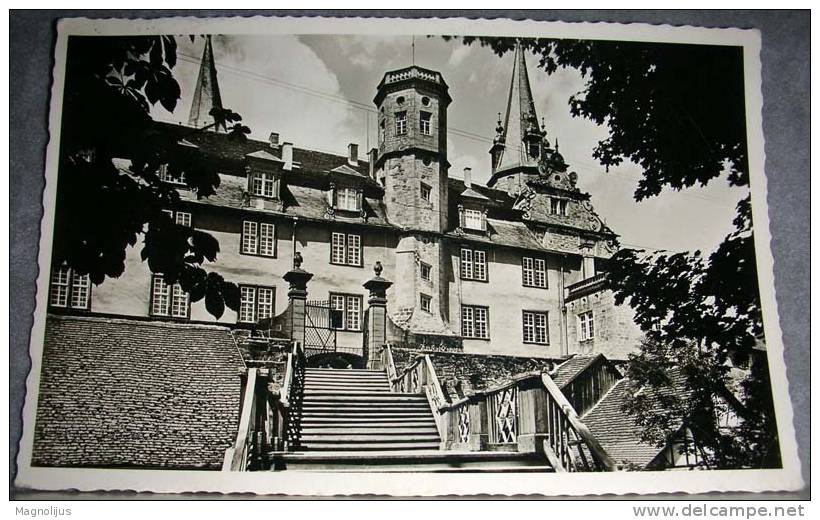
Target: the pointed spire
(206, 95)
(521, 119)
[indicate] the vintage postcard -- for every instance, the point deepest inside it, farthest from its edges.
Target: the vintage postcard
(313, 256)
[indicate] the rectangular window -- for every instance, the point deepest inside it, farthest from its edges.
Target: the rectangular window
(586, 326)
(535, 328)
(166, 176)
(69, 290)
(425, 271)
(381, 131)
(534, 272)
(426, 193)
(426, 302)
(347, 199)
(473, 219)
(255, 303)
(168, 300)
(424, 123)
(474, 322)
(558, 206)
(346, 249)
(258, 238)
(263, 184)
(350, 308)
(401, 123)
(182, 218)
(473, 265)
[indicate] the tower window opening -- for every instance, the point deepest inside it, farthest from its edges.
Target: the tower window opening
(424, 123)
(425, 101)
(401, 123)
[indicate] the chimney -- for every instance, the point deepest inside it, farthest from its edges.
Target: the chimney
(287, 155)
(353, 154)
(274, 140)
(468, 177)
(371, 159)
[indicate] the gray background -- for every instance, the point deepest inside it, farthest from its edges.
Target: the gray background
(786, 88)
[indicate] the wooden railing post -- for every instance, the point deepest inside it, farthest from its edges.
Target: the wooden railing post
(533, 427)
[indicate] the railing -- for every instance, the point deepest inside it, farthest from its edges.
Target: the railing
(289, 404)
(528, 414)
(586, 286)
(249, 445)
(412, 72)
(420, 378)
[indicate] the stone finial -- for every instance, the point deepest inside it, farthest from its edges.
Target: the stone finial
(377, 268)
(297, 260)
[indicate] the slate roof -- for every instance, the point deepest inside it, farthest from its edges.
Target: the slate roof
(136, 393)
(314, 170)
(569, 369)
(617, 431)
(225, 150)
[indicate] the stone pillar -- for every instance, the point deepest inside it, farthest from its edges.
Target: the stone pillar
(297, 279)
(376, 326)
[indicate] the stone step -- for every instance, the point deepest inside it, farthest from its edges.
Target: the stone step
(395, 429)
(342, 381)
(369, 422)
(423, 468)
(372, 418)
(321, 392)
(343, 371)
(433, 460)
(372, 397)
(369, 438)
(365, 446)
(335, 384)
(364, 410)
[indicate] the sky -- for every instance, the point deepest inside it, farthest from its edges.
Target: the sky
(316, 91)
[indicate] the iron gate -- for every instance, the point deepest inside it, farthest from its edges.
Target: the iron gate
(321, 323)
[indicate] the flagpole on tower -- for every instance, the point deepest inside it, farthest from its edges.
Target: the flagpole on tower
(413, 47)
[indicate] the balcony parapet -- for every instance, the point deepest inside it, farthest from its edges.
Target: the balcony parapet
(585, 287)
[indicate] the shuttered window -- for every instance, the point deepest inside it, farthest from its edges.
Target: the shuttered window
(256, 303)
(346, 249)
(69, 290)
(586, 326)
(168, 300)
(350, 308)
(535, 327)
(475, 322)
(534, 272)
(473, 264)
(258, 238)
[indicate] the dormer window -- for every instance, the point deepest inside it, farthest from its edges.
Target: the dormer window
(474, 219)
(558, 206)
(264, 184)
(165, 175)
(346, 199)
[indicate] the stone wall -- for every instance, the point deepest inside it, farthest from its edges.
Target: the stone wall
(616, 334)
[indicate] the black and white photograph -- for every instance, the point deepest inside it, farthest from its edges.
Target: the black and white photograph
(406, 257)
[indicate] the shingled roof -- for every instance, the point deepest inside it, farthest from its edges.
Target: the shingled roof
(136, 393)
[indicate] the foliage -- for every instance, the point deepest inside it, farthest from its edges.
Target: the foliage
(678, 112)
(103, 206)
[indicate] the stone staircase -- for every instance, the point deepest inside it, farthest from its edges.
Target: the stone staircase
(354, 410)
(351, 421)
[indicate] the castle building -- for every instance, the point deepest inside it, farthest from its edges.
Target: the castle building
(515, 267)
(487, 336)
